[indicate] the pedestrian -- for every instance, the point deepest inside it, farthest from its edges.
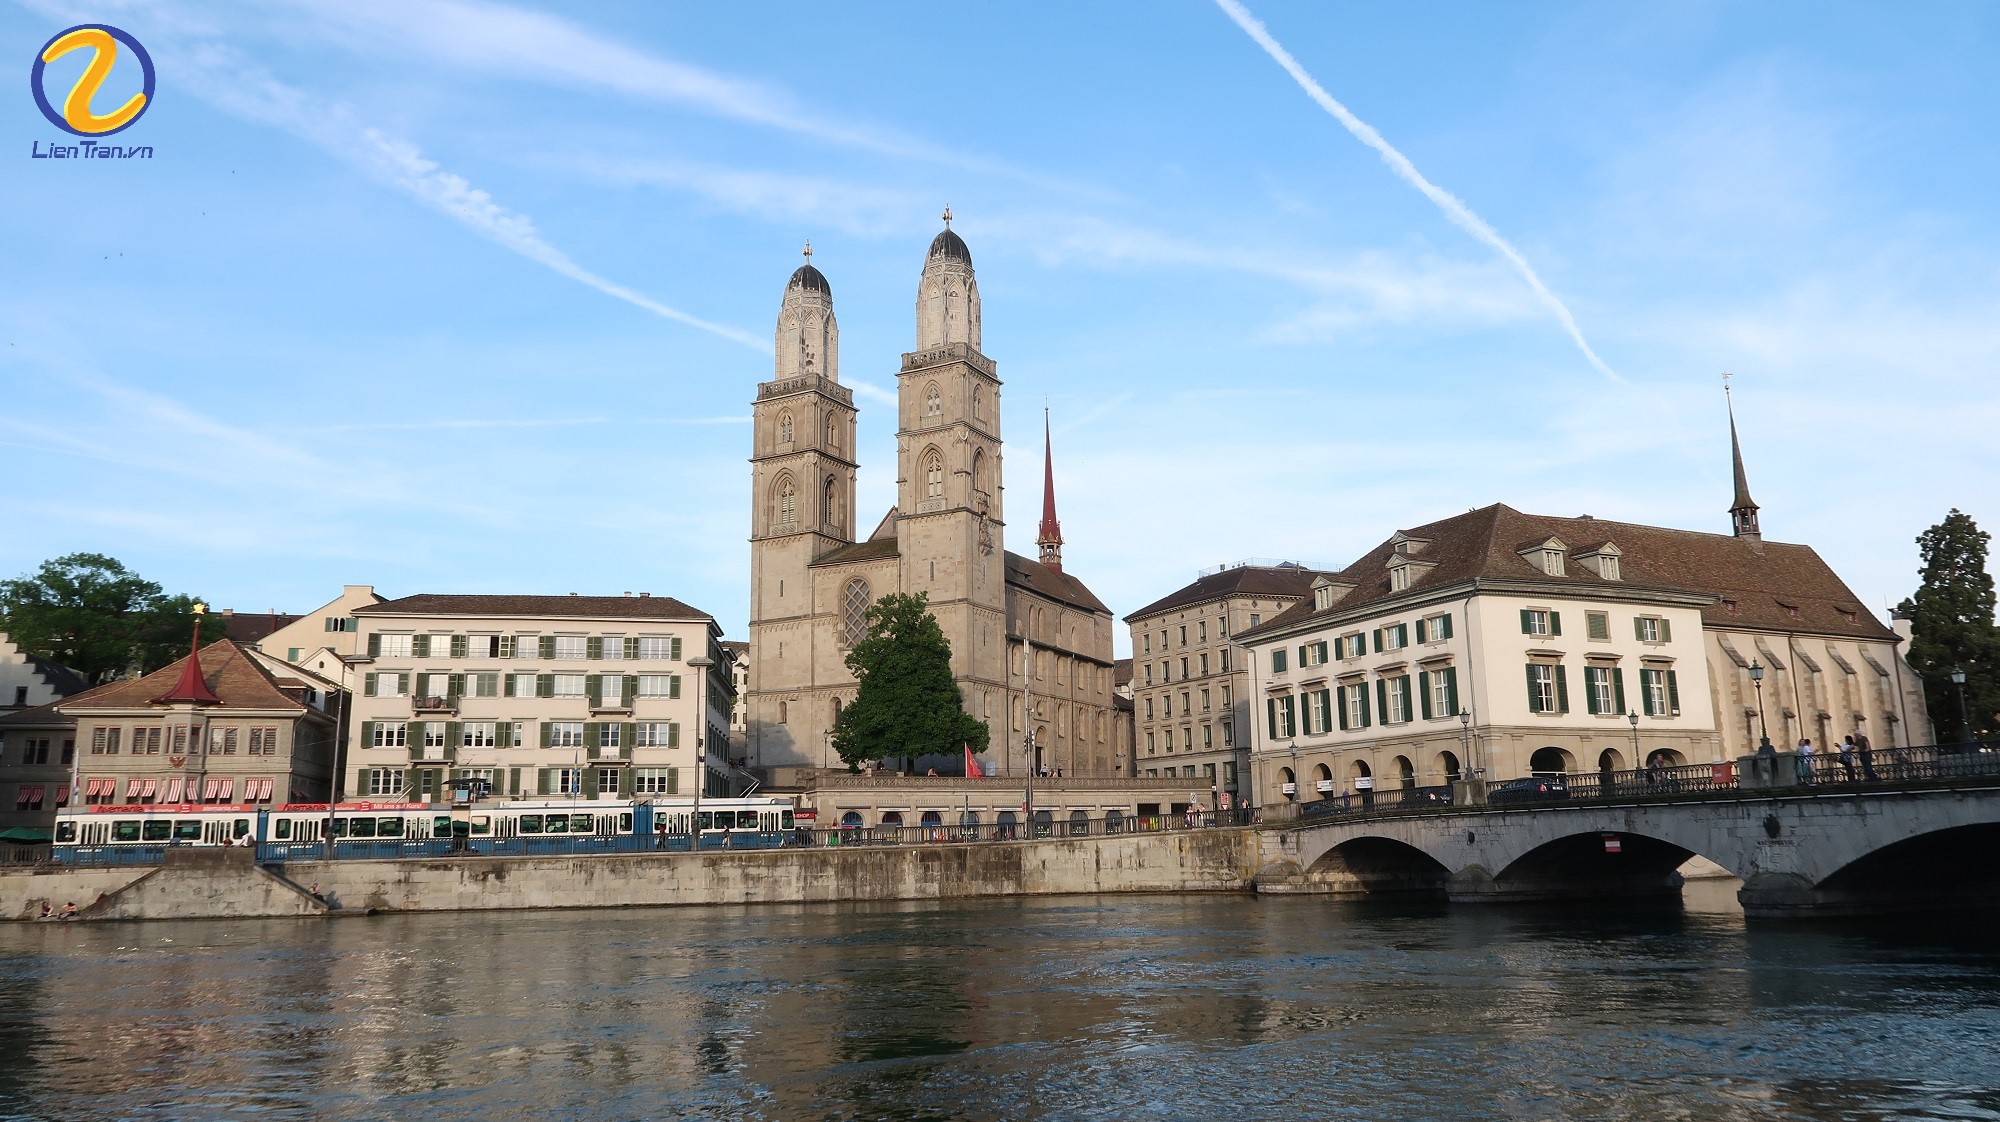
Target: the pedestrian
(1867, 754)
(1346, 799)
(1847, 758)
(48, 910)
(69, 910)
(660, 834)
(1805, 759)
(312, 890)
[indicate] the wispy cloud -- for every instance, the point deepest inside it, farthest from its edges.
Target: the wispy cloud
(528, 423)
(873, 392)
(1459, 214)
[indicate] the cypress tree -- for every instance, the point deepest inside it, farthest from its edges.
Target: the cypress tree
(907, 703)
(1951, 618)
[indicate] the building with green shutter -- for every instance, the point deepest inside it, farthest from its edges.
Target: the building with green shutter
(587, 697)
(1497, 644)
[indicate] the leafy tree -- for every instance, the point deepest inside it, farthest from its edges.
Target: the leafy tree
(95, 616)
(907, 703)
(1951, 618)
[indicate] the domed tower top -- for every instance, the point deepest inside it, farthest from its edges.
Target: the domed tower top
(947, 294)
(808, 337)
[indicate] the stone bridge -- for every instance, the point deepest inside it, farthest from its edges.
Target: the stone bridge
(1799, 852)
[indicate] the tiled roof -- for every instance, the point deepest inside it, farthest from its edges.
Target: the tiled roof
(41, 716)
(1042, 580)
(874, 549)
(596, 607)
(1243, 580)
(1765, 581)
(229, 670)
(251, 628)
(1121, 671)
(735, 646)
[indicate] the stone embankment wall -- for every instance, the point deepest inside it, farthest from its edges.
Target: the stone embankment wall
(222, 884)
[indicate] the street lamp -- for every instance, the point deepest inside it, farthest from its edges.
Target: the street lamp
(1764, 747)
(1958, 683)
(699, 664)
(1633, 717)
(1465, 768)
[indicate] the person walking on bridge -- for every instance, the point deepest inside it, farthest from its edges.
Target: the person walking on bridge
(1805, 759)
(1847, 758)
(1867, 753)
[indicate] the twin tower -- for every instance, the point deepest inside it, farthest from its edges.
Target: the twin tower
(813, 573)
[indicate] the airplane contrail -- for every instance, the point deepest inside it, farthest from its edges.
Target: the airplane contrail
(1460, 215)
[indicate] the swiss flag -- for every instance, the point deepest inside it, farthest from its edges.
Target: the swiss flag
(972, 768)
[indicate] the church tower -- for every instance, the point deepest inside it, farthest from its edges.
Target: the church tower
(952, 524)
(1742, 509)
(802, 489)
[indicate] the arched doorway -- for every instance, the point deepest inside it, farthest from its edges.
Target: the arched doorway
(1323, 781)
(968, 825)
(1549, 761)
(1288, 784)
(1448, 766)
(1079, 823)
(1114, 822)
(851, 820)
(892, 819)
(1007, 827)
(933, 824)
(1406, 773)
(1044, 823)
(1362, 779)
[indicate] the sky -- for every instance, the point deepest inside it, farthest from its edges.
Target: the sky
(472, 296)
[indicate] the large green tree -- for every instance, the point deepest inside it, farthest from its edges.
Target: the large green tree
(95, 616)
(907, 703)
(1951, 618)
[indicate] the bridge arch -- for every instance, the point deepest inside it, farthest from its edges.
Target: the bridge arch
(1551, 760)
(1374, 864)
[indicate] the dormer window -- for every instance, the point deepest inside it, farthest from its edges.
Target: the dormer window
(1607, 567)
(1322, 598)
(1399, 578)
(1546, 555)
(1326, 592)
(1552, 562)
(1602, 560)
(1407, 545)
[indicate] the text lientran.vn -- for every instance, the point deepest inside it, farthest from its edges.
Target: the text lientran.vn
(91, 150)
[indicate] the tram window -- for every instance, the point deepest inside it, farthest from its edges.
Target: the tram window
(786, 818)
(531, 823)
(389, 828)
(65, 831)
(482, 824)
(282, 829)
(441, 825)
(125, 830)
(556, 824)
(579, 824)
(705, 820)
(240, 828)
(162, 830)
(186, 831)
(624, 823)
(361, 827)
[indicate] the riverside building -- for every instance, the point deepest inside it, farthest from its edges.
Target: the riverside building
(1497, 644)
(574, 696)
(1031, 644)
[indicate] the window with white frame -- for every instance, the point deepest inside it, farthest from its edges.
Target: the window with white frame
(524, 685)
(607, 782)
(1443, 687)
(1399, 579)
(383, 780)
(1396, 691)
(614, 648)
(389, 734)
(565, 734)
(476, 734)
(1541, 688)
(1394, 637)
(607, 737)
(437, 734)
(1650, 629)
(1597, 679)
(566, 781)
(567, 685)
(1319, 712)
(1539, 622)
(1662, 693)
(654, 781)
(656, 648)
(656, 734)
(1312, 654)
(572, 646)
(659, 685)
(392, 646)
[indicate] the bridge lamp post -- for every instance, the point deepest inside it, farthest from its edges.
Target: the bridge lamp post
(1633, 717)
(1958, 683)
(1763, 731)
(1465, 769)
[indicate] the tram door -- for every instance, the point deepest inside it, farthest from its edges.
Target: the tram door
(263, 826)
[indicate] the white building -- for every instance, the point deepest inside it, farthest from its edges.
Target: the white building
(582, 696)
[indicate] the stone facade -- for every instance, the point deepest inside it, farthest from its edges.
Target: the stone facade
(590, 696)
(813, 576)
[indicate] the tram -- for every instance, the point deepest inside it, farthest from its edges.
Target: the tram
(383, 829)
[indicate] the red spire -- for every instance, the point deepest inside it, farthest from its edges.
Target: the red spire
(1050, 538)
(191, 687)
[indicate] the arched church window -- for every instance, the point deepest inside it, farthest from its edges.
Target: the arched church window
(832, 433)
(933, 475)
(978, 402)
(854, 601)
(784, 428)
(978, 469)
(781, 712)
(933, 401)
(787, 501)
(831, 501)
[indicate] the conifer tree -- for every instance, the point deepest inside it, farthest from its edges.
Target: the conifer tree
(1951, 617)
(907, 704)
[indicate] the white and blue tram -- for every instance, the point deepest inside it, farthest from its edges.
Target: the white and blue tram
(391, 829)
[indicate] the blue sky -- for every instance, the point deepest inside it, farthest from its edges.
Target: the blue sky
(443, 295)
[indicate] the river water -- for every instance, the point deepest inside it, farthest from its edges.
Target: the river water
(1075, 1008)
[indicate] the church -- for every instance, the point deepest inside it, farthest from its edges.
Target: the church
(1031, 645)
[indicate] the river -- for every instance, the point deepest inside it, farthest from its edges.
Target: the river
(1070, 1008)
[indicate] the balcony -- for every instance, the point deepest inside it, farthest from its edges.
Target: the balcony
(420, 705)
(433, 754)
(610, 705)
(605, 755)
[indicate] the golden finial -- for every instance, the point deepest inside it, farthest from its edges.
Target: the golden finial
(947, 216)
(809, 251)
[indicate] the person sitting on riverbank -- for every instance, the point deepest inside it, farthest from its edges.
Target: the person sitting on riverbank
(48, 911)
(69, 910)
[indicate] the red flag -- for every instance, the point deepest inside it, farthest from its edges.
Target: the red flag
(972, 768)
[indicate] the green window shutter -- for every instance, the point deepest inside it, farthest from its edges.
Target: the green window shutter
(1590, 688)
(674, 652)
(454, 686)
(1534, 695)
(1673, 694)
(506, 685)
(1562, 688)
(593, 687)
(1424, 690)
(1326, 702)
(374, 646)
(1444, 627)
(625, 783)
(544, 781)
(1271, 703)
(1618, 688)
(1302, 654)
(1423, 632)
(403, 684)
(368, 685)
(413, 733)
(420, 646)
(546, 646)
(1555, 623)
(547, 730)
(1451, 690)
(1402, 635)
(1666, 630)
(589, 735)
(1378, 640)
(1340, 706)
(673, 781)
(451, 734)
(1527, 622)
(503, 734)
(590, 783)
(460, 645)
(513, 781)
(632, 647)
(674, 686)
(628, 688)
(1361, 690)
(593, 647)
(367, 733)
(673, 734)
(1639, 628)
(545, 685)
(628, 735)
(1382, 698)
